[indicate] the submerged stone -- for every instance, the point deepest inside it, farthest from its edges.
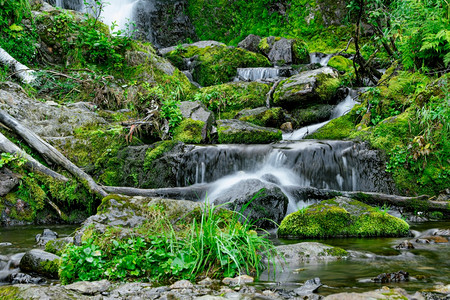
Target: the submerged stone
(341, 217)
(40, 262)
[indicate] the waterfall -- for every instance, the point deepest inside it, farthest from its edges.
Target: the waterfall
(320, 58)
(342, 108)
(253, 74)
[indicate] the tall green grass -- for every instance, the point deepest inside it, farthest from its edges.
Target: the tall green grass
(215, 244)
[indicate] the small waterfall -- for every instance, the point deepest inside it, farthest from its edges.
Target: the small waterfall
(253, 74)
(341, 109)
(320, 58)
(8, 266)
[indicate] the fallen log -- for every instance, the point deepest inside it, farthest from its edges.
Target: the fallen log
(21, 71)
(50, 153)
(31, 164)
(197, 193)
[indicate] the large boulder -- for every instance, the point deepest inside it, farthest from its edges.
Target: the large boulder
(341, 217)
(239, 132)
(250, 43)
(282, 51)
(46, 119)
(40, 262)
(308, 88)
(214, 64)
(262, 203)
(263, 116)
(311, 115)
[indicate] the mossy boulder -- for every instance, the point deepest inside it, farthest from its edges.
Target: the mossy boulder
(342, 64)
(307, 88)
(310, 251)
(282, 51)
(341, 217)
(239, 132)
(263, 116)
(198, 111)
(189, 131)
(216, 64)
(313, 114)
(227, 99)
(40, 262)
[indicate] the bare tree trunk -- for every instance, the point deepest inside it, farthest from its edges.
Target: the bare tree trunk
(31, 164)
(20, 70)
(50, 153)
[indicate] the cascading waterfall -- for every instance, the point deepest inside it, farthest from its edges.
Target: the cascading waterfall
(342, 108)
(320, 58)
(337, 165)
(253, 74)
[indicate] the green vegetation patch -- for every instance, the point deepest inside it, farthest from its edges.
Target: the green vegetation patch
(189, 131)
(227, 99)
(218, 64)
(205, 242)
(341, 217)
(272, 117)
(238, 132)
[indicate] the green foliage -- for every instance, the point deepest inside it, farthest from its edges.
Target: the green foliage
(8, 158)
(211, 245)
(171, 111)
(16, 38)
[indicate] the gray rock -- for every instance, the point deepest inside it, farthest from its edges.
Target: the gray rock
(43, 119)
(311, 115)
(250, 43)
(309, 251)
(136, 58)
(40, 262)
(182, 284)
(309, 287)
(8, 181)
(268, 203)
(281, 52)
(301, 90)
(89, 287)
(392, 277)
(47, 235)
(197, 111)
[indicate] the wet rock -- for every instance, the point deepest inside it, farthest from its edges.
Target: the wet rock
(287, 127)
(238, 132)
(311, 115)
(5, 244)
(265, 208)
(405, 245)
(309, 287)
(250, 43)
(392, 277)
(383, 293)
(182, 284)
(422, 241)
(89, 287)
(263, 116)
(21, 278)
(242, 279)
(435, 239)
(8, 181)
(40, 262)
(306, 88)
(310, 251)
(45, 237)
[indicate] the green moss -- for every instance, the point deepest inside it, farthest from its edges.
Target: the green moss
(56, 246)
(218, 64)
(336, 251)
(189, 131)
(10, 292)
(157, 151)
(226, 99)
(255, 135)
(338, 129)
(50, 268)
(341, 64)
(272, 117)
(327, 87)
(344, 218)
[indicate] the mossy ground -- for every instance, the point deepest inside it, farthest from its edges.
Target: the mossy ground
(341, 218)
(272, 117)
